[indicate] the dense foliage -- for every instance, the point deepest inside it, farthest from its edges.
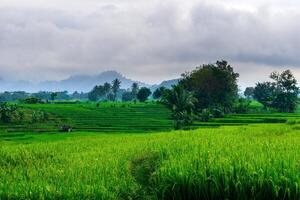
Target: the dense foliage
(116, 84)
(249, 92)
(182, 104)
(281, 94)
(159, 92)
(127, 96)
(13, 114)
(143, 94)
(8, 112)
(214, 85)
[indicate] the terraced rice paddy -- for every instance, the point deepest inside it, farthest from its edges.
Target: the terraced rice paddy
(109, 117)
(127, 151)
(127, 117)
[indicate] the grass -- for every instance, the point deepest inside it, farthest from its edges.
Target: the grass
(241, 156)
(246, 162)
(109, 117)
(127, 118)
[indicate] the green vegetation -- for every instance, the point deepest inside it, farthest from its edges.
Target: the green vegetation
(125, 117)
(281, 94)
(143, 94)
(107, 117)
(12, 114)
(182, 104)
(214, 85)
(246, 162)
(232, 147)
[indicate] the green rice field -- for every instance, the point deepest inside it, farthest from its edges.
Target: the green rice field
(128, 151)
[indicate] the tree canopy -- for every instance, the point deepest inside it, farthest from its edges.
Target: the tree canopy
(116, 84)
(158, 93)
(249, 92)
(281, 93)
(214, 85)
(181, 103)
(143, 94)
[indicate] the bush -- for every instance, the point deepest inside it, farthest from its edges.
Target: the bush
(217, 113)
(241, 105)
(7, 112)
(39, 116)
(205, 115)
(32, 100)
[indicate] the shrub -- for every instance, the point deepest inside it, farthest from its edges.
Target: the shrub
(217, 113)
(205, 115)
(39, 116)
(7, 112)
(241, 105)
(32, 100)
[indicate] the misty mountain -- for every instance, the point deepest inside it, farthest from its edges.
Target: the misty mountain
(85, 83)
(167, 84)
(81, 83)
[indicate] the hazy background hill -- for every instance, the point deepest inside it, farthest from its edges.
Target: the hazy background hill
(166, 84)
(80, 83)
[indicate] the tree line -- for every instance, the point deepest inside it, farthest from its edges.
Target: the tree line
(211, 90)
(280, 94)
(42, 95)
(112, 92)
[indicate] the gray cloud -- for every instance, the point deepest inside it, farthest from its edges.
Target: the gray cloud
(148, 40)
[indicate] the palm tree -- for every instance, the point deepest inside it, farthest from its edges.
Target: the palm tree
(106, 89)
(134, 90)
(116, 84)
(182, 105)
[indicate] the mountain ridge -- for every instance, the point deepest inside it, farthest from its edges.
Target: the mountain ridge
(80, 83)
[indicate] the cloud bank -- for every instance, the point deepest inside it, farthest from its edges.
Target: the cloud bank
(148, 40)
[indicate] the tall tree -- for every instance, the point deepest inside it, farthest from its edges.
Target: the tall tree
(264, 93)
(93, 96)
(181, 103)
(281, 94)
(286, 99)
(143, 94)
(214, 85)
(100, 91)
(134, 90)
(116, 84)
(107, 89)
(158, 93)
(249, 92)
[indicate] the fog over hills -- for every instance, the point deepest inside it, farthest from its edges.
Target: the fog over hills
(80, 83)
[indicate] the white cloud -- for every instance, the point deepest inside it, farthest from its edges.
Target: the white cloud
(146, 40)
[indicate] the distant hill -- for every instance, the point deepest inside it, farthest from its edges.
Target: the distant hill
(86, 82)
(167, 84)
(81, 83)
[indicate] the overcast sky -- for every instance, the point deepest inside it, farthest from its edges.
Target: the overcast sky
(147, 40)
